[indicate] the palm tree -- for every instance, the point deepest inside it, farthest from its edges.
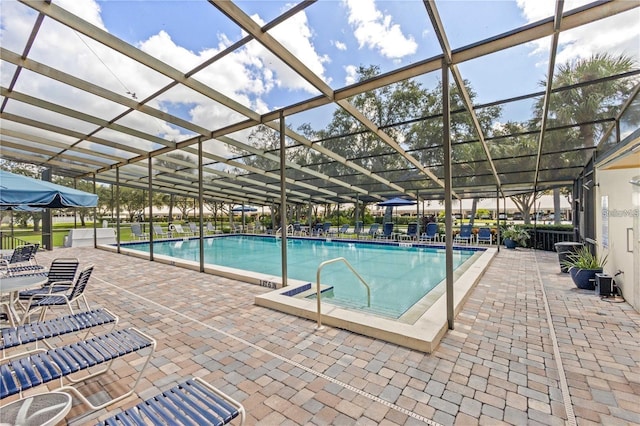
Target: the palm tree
(585, 104)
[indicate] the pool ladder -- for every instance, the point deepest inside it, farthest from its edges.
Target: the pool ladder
(278, 233)
(318, 293)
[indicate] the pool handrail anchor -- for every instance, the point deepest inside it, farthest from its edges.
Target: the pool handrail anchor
(318, 293)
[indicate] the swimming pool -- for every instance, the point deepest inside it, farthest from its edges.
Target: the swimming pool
(420, 327)
(398, 275)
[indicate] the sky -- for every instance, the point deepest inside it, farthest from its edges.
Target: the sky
(331, 37)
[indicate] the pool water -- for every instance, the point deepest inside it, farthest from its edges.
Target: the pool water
(398, 275)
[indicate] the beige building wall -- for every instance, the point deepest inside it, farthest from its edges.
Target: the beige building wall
(618, 227)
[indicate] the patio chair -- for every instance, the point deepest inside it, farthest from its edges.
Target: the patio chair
(22, 260)
(326, 227)
(431, 233)
(194, 228)
(159, 232)
(387, 231)
(13, 337)
(341, 231)
(191, 402)
(316, 231)
(178, 230)
(22, 253)
(21, 374)
(136, 231)
(412, 231)
(465, 235)
(373, 230)
(211, 229)
(60, 277)
(484, 235)
(42, 302)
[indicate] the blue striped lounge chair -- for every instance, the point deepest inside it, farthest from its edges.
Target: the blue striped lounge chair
(12, 338)
(93, 356)
(189, 403)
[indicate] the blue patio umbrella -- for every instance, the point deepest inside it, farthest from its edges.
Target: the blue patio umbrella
(240, 209)
(395, 202)
(18, 191)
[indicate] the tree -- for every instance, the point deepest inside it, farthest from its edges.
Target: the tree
(185, 204)
(133, 200)
(81, 185)
(106, 200)
(584, 104)
(525, 202)
(174, 161)
(469, 160)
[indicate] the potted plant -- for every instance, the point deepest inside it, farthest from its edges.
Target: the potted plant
(514, 236)
(583, 267)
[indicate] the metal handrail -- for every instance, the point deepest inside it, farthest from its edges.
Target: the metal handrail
(289, 230)
(318, 293)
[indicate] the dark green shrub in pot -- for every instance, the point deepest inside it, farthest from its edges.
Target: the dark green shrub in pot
(514, 236)
(583, 267)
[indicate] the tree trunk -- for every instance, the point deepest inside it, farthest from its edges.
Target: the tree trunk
(474, 206)
(524, 202)
(171, 201)
(556, 206)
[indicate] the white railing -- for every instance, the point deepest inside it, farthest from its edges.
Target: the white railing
(289, 231)
(318, 293)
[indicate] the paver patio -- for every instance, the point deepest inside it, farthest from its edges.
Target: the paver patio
(503, 364)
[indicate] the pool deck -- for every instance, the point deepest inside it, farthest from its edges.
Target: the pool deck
(528, 348)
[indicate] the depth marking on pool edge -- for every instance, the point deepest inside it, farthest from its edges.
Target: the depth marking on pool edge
(288, 361)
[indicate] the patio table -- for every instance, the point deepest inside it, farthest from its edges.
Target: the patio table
(13, 285)
(46, 409)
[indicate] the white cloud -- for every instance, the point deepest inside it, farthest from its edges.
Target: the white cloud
(616, 35)
(376, 31)
(296, 36)
(352, 74)
(87, 10)
(247, 75)
(340, 45)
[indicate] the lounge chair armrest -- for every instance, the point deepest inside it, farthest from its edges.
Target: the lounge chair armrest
(57, 288)
(37, 297)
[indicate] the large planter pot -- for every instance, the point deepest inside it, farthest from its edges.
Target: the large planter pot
(584, 279)
(509, 243)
